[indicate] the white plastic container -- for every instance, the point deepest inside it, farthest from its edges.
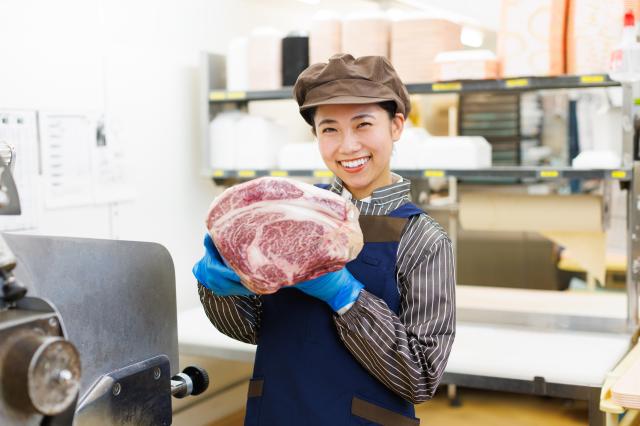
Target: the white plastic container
(441, 152)
(265, 59)
(300, 156)
(222, 140)
(405, 150)
(258, 142)
(625, 57)
(454, 152)
(238, 64)
(596, 159)
(325, 37)
(366, 33)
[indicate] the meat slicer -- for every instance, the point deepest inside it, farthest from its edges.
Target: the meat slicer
(88, 330)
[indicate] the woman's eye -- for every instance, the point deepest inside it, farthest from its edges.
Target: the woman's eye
(364, 124)
(328, 130)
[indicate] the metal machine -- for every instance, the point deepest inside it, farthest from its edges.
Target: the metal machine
(88, 329)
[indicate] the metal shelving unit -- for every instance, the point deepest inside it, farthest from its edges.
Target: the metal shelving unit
(464, 86)
(532, 173)
(215, 100)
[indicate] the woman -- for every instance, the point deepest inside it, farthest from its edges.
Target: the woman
(365, 343)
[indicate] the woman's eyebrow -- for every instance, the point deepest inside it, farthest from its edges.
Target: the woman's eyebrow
(364, 115)
(326, 121)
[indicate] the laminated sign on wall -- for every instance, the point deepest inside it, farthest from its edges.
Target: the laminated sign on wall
(80, 165)
(19, 130)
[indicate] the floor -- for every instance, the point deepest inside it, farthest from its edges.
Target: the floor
(487, 408)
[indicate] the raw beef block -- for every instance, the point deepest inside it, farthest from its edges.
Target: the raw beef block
(276, 232)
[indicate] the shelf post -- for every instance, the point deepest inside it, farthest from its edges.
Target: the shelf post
(633, 206)
(633, 247)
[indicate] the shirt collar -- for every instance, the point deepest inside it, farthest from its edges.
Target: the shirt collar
(399, 188)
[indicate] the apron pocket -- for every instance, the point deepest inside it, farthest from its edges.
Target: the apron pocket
(254, 399)
(364, 413)
(370, 260)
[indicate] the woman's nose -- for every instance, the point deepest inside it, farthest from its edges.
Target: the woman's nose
(350, 143)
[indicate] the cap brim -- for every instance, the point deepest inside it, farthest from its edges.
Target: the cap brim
(344, 100)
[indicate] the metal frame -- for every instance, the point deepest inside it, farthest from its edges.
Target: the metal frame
(628, 176)
(633, 205)
(545, 321)
(633, 248)
(529, 173)
(219, 95)
(537, 386)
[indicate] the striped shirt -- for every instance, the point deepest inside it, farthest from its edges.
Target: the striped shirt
(407, 352)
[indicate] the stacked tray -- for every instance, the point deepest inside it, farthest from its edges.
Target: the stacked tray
(626, 391)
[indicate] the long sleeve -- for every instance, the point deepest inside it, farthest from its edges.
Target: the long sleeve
(408, 352)
(236, 316)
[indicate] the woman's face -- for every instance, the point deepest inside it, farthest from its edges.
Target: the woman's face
(356, 143)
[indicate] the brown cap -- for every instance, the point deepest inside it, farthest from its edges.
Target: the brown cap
(346, 80)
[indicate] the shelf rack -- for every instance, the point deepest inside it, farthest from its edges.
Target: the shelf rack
(534, 173)
(463, 86)
(214, 100)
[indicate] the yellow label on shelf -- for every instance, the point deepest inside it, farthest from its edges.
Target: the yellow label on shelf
(322, 173)
(446, 87)
(433, 173)
(217, 96)
(236, 95)
(246, 173)
(592, 79)
(549, 173)
(618, 174)
(279, 173)
(218, 173)
(517, 82)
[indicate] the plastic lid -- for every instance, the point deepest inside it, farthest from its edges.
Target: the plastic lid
(297, 34)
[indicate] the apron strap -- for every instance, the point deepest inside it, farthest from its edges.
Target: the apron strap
(381, 229)
(380, 415)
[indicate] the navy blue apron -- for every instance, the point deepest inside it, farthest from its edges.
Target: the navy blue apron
(303, 373)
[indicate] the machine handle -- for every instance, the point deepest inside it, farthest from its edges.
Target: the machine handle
(192, 381)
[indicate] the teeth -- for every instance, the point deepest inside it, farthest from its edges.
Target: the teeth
(354, 163)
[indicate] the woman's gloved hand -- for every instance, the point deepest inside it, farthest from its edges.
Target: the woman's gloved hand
(211, 272)
(339, 289)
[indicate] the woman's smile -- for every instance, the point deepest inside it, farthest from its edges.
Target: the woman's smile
(354, 165)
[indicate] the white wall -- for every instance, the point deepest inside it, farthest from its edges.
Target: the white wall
(136, 61)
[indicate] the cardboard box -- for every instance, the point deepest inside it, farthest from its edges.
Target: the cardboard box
(531, 38)
(415, 42)
(466, 65)
(594, 28)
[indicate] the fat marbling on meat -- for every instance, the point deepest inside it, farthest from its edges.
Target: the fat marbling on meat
(276, 232)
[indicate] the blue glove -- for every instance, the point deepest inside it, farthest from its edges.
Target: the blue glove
(212, 273)
(339, 289)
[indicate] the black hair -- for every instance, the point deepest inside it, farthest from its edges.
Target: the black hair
(389, 106)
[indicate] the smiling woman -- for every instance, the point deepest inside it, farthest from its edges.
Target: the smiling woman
(366, 342)
(356, 142)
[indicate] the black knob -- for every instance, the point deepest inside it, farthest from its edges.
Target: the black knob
(199, 377)
(12, 291)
